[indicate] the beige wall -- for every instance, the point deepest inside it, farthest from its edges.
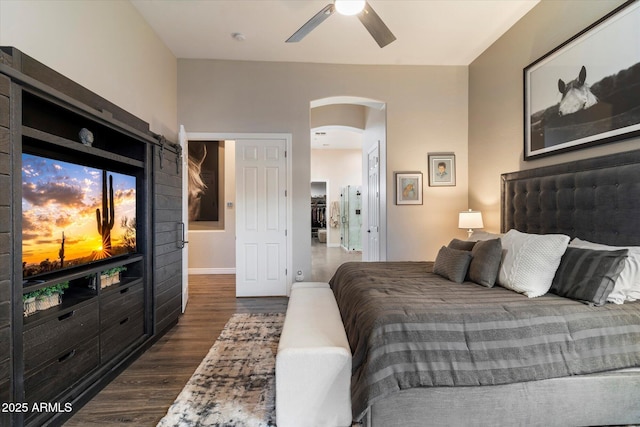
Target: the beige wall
(496, 99)
(349, 115)
(339, 168)
(105, 46)
(426, 111)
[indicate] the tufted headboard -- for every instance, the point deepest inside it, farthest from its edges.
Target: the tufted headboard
(594, 199)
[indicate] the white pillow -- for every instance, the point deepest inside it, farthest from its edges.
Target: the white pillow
(530, 261)
(627, 286)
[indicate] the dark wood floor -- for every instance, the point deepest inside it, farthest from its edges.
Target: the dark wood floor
(141, 395)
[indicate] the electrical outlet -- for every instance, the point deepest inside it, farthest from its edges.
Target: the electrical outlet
(299, 276)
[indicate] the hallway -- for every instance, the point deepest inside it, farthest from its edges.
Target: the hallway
(325, 260)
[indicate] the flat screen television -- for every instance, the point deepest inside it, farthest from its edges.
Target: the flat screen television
(73, 215)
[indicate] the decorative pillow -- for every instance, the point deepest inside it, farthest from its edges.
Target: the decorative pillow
(588, 275)
(483, 235)
(530, 261)
(452, 264)
(461, 245)
(627, 286)
(485, 263)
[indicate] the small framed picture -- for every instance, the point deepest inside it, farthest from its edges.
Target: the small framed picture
(442, 169)
(408, 188)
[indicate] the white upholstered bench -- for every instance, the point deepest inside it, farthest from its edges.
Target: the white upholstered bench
(313, 363)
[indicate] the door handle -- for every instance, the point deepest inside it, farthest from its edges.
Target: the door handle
(182, 242)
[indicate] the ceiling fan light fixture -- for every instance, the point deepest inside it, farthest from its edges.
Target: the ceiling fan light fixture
(349, 7)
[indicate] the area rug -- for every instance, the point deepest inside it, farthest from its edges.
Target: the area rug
(235, 383)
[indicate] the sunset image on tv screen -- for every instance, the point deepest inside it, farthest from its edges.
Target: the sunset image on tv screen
(74, 214)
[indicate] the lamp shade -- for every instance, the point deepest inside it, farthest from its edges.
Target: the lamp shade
(470, 219)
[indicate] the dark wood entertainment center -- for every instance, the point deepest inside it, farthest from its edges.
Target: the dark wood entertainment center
(60, 357)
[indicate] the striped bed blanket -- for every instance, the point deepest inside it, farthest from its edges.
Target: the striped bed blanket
(408, 327)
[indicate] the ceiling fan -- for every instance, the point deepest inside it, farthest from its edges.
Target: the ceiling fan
(369, 18)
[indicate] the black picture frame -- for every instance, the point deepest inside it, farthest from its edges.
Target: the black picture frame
(587, 90)
(204, 171)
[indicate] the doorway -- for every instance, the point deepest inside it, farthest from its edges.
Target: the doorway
(320, 212)
(261, 217)
(336, 178)
(365, 118)
(216, 250)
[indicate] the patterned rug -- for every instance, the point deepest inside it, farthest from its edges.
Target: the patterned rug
(235, 383)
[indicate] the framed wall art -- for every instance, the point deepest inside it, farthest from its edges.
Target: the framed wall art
(203, 181)
(408, 188)
(587, 90)
(442, 169)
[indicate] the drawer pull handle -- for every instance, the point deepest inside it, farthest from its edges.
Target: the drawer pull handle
(125, 320)
(122, 291)
(67, 356)
(66, 315)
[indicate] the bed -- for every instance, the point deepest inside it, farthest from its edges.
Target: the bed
(431, 351)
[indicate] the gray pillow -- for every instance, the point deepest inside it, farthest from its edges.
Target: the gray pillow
(485, 263)
(462, 245)
(588, 275)
(452, 264)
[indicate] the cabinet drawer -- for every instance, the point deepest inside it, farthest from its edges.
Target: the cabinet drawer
(5, 352)
(5, 386)
(62, 372)
(54, 337)
(116, 306)
(119, 336)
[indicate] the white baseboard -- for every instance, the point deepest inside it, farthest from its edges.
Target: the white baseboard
(196, 271)
(333, 245)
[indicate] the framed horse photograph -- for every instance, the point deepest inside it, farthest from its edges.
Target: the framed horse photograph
(587, 90)
(203, 180)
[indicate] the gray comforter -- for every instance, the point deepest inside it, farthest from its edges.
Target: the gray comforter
(408, 327)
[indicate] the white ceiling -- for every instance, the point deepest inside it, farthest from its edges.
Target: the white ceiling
(335, 138)
(428, 32)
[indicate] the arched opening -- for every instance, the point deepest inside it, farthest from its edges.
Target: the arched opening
(348, 147)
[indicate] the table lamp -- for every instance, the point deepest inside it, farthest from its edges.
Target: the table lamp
(470, 220)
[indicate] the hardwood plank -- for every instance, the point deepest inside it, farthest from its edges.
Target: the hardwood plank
(5, 165)
(5, 111)
(5, 140)
(5, 266)
(5, 85)
(5, 219)
(5, 182)
(142, 394)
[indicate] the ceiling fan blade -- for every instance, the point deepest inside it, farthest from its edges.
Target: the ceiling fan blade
(312, 23)
(378, 29)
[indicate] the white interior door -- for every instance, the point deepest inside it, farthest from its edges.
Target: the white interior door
(373, 204)
(261, 217)
(182, 134)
